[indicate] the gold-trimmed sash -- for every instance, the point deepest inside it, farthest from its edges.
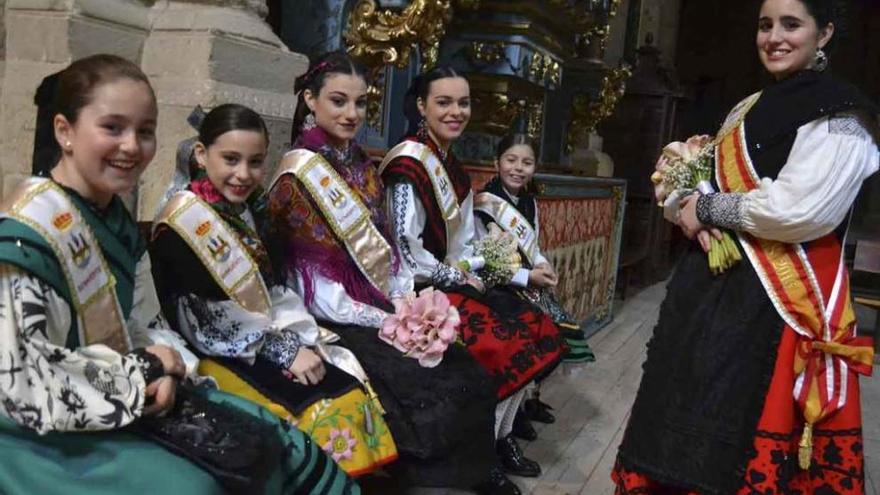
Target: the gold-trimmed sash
(219, 248)
(827, 348)
(43, 206)
(444, 192)
(511, 220)
(346, 214)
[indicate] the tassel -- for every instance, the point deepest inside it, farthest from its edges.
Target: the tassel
(805, 447)
(374, 397)
(368, 417)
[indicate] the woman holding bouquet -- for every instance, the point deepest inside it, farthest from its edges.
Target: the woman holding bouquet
(751, 381)
(93, 389)
(221, 290)
(441, 416)
(507, 202)
(431, 205)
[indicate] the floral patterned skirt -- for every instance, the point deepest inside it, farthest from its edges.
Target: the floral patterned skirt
(837, 465)
(513, 341)
(349, 426)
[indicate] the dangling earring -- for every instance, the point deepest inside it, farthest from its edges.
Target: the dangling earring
(821, 62)
(422, 133)
(309, 122)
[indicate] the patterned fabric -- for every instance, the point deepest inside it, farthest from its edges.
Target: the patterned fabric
(408, 169)
(348, 428)
(305, 240)
(837, 466)
(723, 210)
(847, 124)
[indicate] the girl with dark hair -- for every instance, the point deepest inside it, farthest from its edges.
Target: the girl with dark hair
(507, 201)
(751, 383)
(441, 417)
(221, 291)
(431, 207)
(83, 346)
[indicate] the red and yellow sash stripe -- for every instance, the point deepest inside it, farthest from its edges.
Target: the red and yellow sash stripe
(809, 286)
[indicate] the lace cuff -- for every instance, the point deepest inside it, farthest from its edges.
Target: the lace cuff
(368, 316)
(280, 349)
(724, 210)
(447, 276)
(149, 363)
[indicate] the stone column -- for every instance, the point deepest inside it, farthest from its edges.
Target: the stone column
(43, 36)
(208, 53)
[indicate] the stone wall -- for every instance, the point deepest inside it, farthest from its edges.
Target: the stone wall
(194, 52)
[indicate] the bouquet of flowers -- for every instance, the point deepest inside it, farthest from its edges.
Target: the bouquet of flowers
(422, 326)
(500, 252)
(686, 167)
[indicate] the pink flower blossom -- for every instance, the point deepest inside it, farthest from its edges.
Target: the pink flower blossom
(340, 445)
(422, 327)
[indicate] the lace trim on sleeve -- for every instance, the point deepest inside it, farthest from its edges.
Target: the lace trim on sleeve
(724, 210)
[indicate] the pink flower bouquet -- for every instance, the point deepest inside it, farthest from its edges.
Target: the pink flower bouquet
(422, 326)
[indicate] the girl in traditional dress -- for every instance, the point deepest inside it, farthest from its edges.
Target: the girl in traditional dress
(507, 202)
(219, 286)
(441, 417)
(83, 347)
(751, 381)
(431, 207)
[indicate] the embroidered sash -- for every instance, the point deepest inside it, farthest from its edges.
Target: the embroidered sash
(809, 288)
(444, 192)
(43, 206)
(511, 220)
(346, 214)
(219, 248)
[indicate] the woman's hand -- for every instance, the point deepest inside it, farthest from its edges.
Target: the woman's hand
(687, 220)
(307, 367)
(542, 276)
(705, 238)
(160, 395)
(172, 363)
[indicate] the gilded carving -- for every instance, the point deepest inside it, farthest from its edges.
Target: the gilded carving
(378, 37)
(587, 114)
(543, 67)
(486, 52)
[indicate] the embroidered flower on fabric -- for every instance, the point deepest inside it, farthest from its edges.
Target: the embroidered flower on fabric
(205, 190)
(341, 444)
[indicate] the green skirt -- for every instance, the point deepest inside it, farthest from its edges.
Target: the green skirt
(113, 462)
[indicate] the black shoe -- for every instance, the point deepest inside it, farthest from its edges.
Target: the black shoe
(538, 411)
(513, 461)
(497, 484)
(522, 427)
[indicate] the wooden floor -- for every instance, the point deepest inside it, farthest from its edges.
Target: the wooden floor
(592, 405)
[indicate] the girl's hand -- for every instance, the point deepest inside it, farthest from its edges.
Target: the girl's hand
(705, 238)
(542, 276)
(172, 363)
(475, 282)
(307, 367)
(160, 396)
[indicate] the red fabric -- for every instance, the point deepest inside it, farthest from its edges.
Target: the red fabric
(514, 349)
(837, 466)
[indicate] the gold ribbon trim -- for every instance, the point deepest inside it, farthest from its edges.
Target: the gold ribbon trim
(219, 248)
(346, 214)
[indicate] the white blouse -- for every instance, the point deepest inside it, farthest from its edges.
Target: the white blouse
(521, 277)
(46, 387)
(418, 265)
(815, 189)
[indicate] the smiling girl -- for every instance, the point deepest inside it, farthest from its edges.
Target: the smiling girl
(88, 364)
(221, 290)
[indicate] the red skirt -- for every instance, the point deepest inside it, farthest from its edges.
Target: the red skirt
(837, 466)
(513, 342)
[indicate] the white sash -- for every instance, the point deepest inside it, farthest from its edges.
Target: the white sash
(348, 217)
(511, 220)
(43, 206)
(444, 192)
(219, 248)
